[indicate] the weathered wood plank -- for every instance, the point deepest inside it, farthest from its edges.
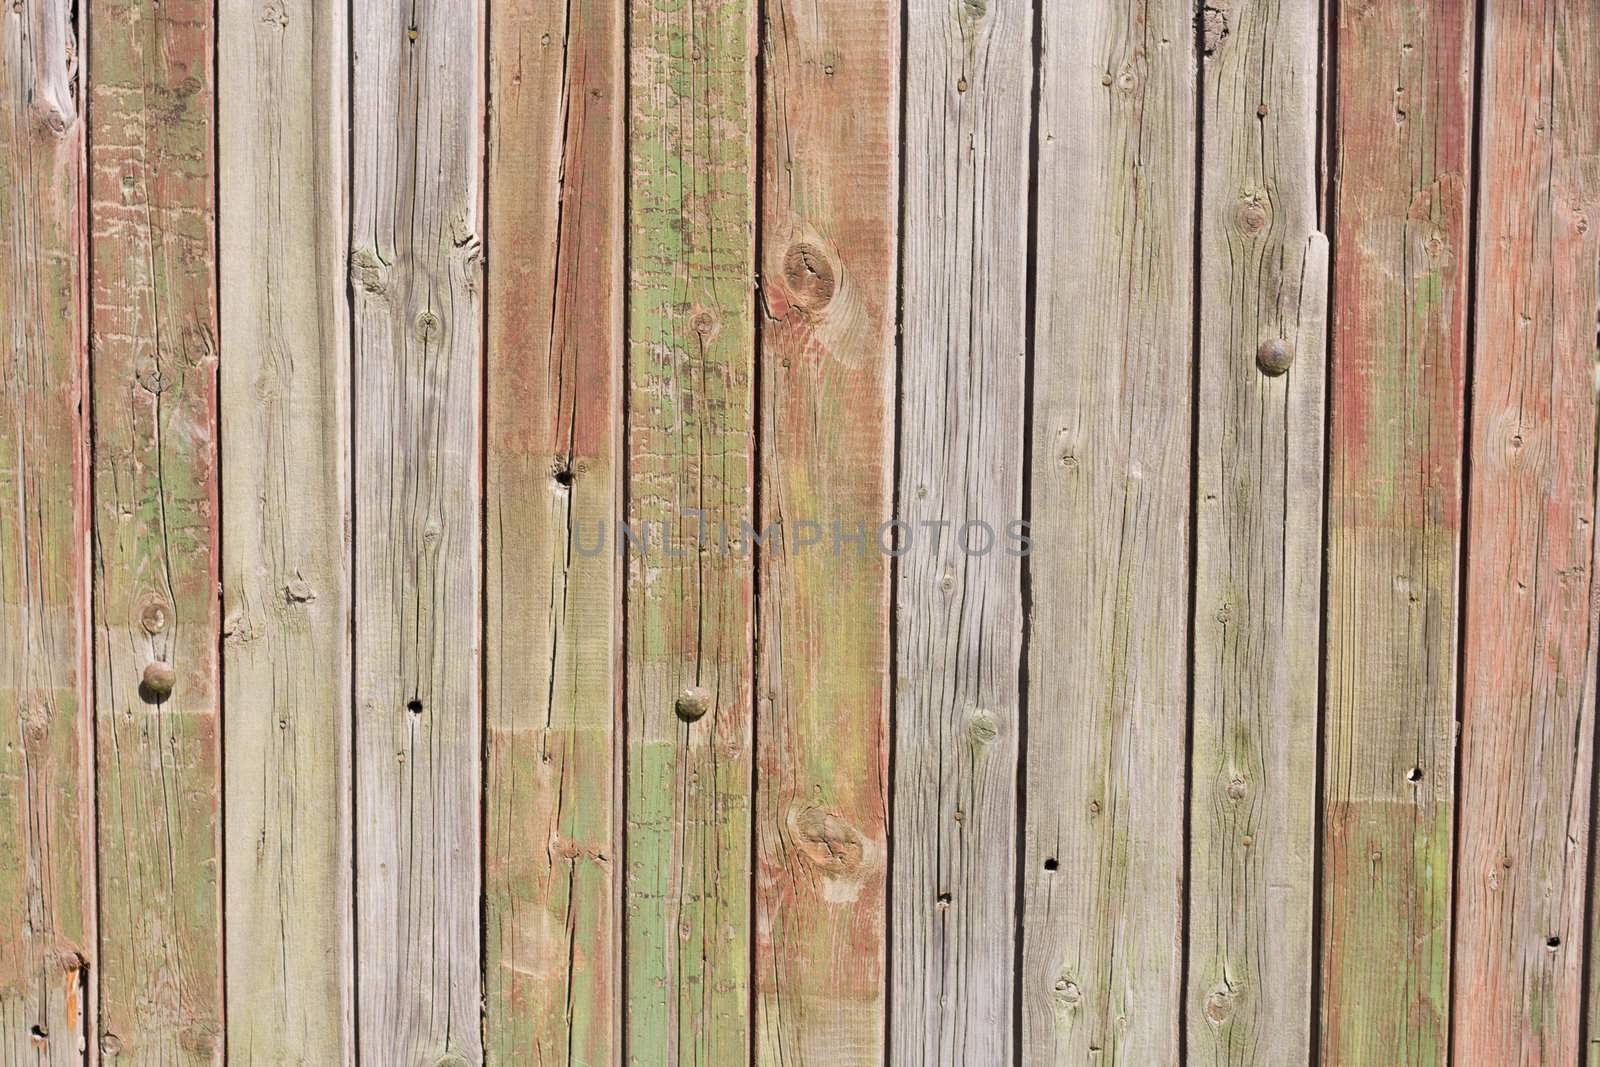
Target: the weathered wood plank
(829, 191)
(689, 627)
(1263, 337)
(1531, 602)
(282, 115)
(417, 278)
(47, 899)
(1401, 143)
(153, 350)
(959, 636)
(1111, 441)
(554, 425)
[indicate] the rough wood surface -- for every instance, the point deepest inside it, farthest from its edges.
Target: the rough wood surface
(554, 379)
(416, 275)
(1103, 854)
(1401, 144)
(153, 354)
(959, 636)
(1258, 556)
(1532, 604)
(691, 233)
(47, 902)
(285, 407)
(830, 182)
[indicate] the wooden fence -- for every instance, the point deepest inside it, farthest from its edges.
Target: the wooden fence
(687, 533)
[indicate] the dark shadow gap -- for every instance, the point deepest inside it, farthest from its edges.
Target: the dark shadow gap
(897, 416)
(1030, 353)
(1327, 153)
(1463, 532)
(622, 499)
(757, 471)
(1197, 219)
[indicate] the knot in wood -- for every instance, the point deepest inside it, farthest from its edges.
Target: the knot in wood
(148, 375)
(830, 843)
(705, 324)
(153, 616)
(1274, 357)
(70, 961)
(810, 277)
(197, 345)
(1219, 1006)
(982, 727)
(156, 684)
(368, 273)
(427, 326)
(1214, 26)
(693, 703)
(1251, 216)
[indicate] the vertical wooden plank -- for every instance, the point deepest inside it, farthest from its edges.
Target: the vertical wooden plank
(959, 590)
(47, 925)
(153, 351)
(553, 430)
(1401, 143)
(1532, 605)
(689, 649)
(285, 398)
(1263, 287)
(829, 192)
(417, 278)
(1111, 488)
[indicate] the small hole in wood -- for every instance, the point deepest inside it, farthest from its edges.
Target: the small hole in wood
(944, 900)
(40, 1033)
(1052, 864)
(1552, 942)
(414, 706)
(564, 477)
(1414, 774)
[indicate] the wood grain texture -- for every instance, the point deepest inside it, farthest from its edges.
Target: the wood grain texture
(1258, 558)
(1532, 605)
(47, 901)
(417, 281)
(1401, 143)
(153, 353)
(1103, 854)
(959, 633)
(554, 380)
(691, 229)
(285, 405)
(829, 191)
